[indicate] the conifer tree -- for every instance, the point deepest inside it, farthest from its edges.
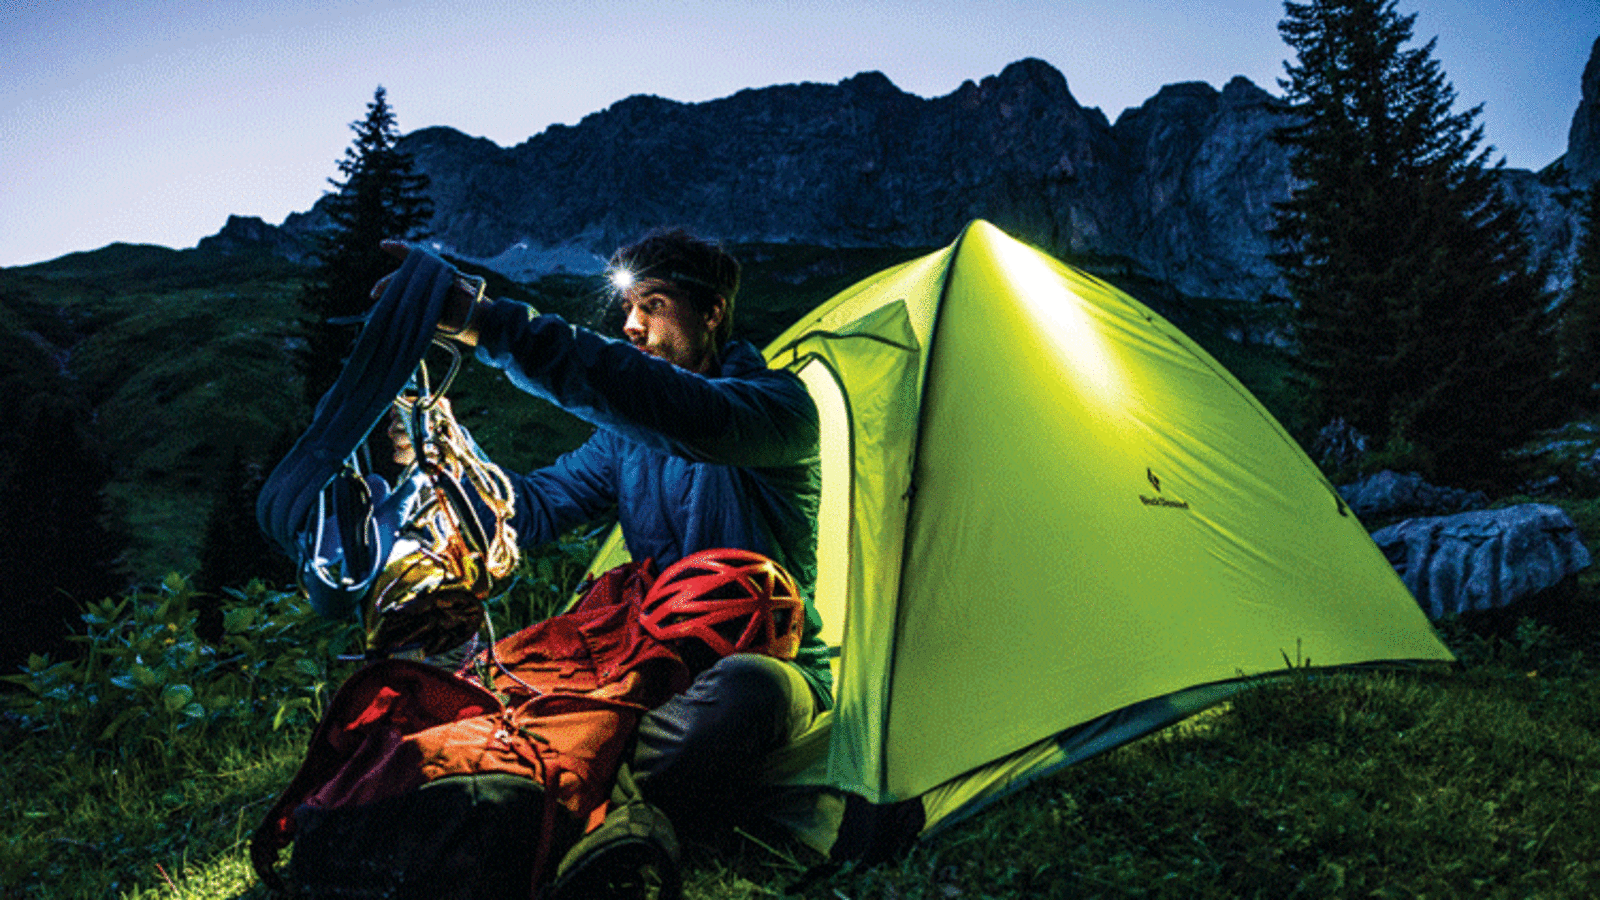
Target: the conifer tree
(1418, 312)
(381, 196)
(56, 544)
(235, 551)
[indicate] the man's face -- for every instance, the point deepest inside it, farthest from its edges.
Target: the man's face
(665, 326)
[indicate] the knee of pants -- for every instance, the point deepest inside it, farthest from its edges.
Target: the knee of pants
(742, 708)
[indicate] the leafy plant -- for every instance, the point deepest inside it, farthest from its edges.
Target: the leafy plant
(144, 676)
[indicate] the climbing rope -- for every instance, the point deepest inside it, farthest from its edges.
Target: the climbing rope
(455, 545)
(420, 558)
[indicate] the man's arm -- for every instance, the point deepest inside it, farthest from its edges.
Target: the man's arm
(574, 489)
(763, 419)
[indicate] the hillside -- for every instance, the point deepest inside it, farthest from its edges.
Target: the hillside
(184, 359)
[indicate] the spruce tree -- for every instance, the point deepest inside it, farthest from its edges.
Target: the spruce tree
(1419, 315)
(235, 551)
(57, 545)
(381, 196)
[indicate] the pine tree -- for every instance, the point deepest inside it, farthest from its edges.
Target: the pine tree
(56, 544)
(1419, 315)
(235, 551)
(381, 196)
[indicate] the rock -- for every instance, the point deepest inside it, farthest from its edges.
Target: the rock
(1550, 218)
(1338, 445)
(1387, 495)
(251, 233)
(1204, 175)
(1553, 200)
(1583, 138)
(1484, 559)
(1179, 191)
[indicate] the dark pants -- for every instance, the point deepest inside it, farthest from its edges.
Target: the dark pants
(701, 756)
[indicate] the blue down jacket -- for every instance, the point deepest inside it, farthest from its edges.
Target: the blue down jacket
(691, 462)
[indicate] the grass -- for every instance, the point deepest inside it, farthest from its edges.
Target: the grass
(1482, 782)
(1354, 786)
(98, 827)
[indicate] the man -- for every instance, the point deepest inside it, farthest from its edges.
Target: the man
(698, 445)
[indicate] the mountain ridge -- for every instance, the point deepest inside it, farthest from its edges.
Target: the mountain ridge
(1179, 189)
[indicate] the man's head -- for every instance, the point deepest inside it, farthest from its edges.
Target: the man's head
(676, 292)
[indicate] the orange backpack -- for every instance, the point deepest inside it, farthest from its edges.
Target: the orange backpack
(420, 782)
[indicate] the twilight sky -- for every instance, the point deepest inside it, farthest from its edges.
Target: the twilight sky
(150, 121)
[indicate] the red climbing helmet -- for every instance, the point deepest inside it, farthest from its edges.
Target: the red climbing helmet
(733, 601)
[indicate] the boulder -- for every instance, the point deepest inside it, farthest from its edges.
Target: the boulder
(1339, 445)
(1483, 559)
(1389, 495)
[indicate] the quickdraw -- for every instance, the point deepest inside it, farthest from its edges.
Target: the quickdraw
(455, 544)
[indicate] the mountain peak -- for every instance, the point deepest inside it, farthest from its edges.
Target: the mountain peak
(873, 82)
(1583, 139)
(1180, 189)
(1031, 73)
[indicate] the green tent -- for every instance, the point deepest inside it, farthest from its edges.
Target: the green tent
(1050, 523)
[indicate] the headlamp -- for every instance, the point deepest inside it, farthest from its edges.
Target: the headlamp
(623, 278)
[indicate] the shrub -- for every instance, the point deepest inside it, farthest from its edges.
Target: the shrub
(143, 675)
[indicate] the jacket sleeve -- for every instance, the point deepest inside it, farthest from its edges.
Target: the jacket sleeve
(761, 418)
(574, 489)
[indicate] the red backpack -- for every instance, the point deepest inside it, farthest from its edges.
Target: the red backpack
(423, 783)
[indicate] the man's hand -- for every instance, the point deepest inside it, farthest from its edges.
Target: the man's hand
(404, 453)
(455, 322)
(400, 435)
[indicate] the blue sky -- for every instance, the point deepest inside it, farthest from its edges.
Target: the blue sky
(151, 122)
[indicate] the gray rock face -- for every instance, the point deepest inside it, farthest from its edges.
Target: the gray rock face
(250, 232)
(1204, 174)
(1485, 559)
(1550, 220)
(1583, 138)
(1552, 200)
(1180, 190)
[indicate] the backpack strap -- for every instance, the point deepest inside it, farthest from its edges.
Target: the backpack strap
(635, 846)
